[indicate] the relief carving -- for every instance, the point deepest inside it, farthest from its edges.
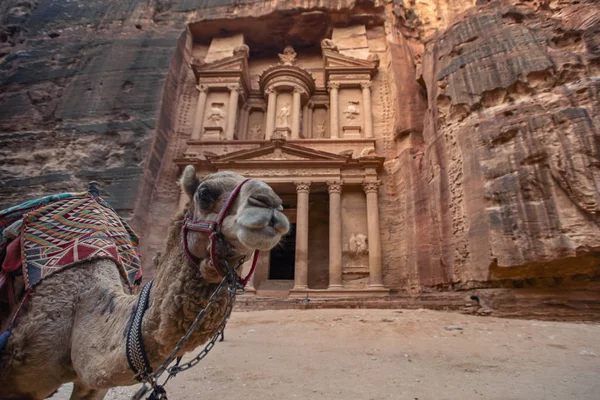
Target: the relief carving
(283, 116)
(289, 56)
(320, 130)
(358, 245)
(256, 132)
(352, 111)
(216, 115)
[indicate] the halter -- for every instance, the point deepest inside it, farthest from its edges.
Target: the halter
(217, 237)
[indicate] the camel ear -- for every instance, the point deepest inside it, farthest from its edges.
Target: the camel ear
(189, 181)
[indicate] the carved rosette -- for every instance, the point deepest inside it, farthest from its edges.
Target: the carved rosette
(334, 186)
(302, 187)
(371, 186)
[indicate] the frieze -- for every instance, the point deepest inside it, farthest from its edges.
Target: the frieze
(264, 173)
(350, 77)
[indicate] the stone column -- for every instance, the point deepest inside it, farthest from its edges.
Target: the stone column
(296, 113)
(271, 104)
(334, 130)
(335, 235)
(234, 94)
(245, 114)
(367, 112)
(305, 121)
(301, 267)
(199, 117)
(374, 238)
(309, 123)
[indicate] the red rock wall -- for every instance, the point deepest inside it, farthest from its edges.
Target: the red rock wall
(489, 126)
(507, 184)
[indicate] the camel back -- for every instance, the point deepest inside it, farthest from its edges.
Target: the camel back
(43, 237)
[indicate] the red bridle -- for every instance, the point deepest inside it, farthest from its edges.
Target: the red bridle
(214, 228)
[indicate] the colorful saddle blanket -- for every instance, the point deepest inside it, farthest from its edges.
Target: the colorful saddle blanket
(59, 231)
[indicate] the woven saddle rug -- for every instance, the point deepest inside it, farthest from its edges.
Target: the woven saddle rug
(57, 232)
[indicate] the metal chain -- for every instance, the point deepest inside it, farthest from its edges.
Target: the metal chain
(229, 282)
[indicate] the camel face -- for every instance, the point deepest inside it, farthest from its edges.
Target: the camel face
(255, 220)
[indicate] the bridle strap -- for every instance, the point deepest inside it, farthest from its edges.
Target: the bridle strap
(214, 228)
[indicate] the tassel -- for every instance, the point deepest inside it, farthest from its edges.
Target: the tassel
(4, 339)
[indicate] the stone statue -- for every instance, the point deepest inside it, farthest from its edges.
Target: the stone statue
(351, 112)
(320, 129)
(328, 44)
(367, 151)
(216, 115)
(289, 56)
(255, 131)
(358, 245)
(283, 116)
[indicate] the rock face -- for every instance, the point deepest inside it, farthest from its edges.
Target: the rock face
(488, 117)
(509, 174)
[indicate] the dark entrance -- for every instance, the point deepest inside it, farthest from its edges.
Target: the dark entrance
(283, 257)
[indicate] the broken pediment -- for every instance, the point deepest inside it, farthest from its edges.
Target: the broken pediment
(336, 63)
(235, 66)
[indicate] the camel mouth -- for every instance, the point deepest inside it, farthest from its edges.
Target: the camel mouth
(262, 228)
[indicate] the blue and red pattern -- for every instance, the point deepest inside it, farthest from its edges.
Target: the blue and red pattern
(76, 229)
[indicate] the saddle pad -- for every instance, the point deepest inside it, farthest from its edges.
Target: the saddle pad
(69, 231)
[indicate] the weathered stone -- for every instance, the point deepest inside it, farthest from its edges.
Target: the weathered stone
(487, 116)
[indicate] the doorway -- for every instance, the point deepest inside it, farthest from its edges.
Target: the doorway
(283, 257)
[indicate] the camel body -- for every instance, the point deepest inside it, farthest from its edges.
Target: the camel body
(73, 327)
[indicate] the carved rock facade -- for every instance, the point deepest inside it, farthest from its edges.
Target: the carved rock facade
(483, 137)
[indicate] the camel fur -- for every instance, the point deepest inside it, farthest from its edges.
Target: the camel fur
(73, 327)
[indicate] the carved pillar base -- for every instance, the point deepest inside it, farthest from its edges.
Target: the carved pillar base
(282, 132)
(213, 133)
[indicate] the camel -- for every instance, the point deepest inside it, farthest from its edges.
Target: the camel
(74, 325)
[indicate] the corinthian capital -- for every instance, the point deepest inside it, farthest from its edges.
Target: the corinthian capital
(235, 87)
(365, 84)
(202, 88)
(334, 186)
(333, 85)
(371, 186)
(302, 187)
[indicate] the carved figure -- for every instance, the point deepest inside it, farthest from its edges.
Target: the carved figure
(367, 151)
(358, 245)
(351, 112)
(320, 129)
(283, 116)
(256, 131)
(328, 44)
(72, 329)
(289, 56)
(216, 115)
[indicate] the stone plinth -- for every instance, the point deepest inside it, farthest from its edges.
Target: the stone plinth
(282, 132)
(213, 133)
(351, 131)
(342, 292)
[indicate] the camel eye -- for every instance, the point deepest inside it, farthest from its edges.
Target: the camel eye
(207, 197)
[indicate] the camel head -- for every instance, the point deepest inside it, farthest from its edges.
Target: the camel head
(254, 221)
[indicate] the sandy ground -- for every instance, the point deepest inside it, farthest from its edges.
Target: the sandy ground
(388, 354)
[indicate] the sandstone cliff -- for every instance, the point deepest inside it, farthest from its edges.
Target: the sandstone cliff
(491, 135)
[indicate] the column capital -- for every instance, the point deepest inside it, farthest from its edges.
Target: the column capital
(234, 87)
(202, 88)
(269, 91)
(334, 186)
(371, 186)
(302, 187)
(365, 84)
(298, 90)
(333, 85)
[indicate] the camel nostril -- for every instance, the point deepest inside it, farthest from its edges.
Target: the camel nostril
(264, 201)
